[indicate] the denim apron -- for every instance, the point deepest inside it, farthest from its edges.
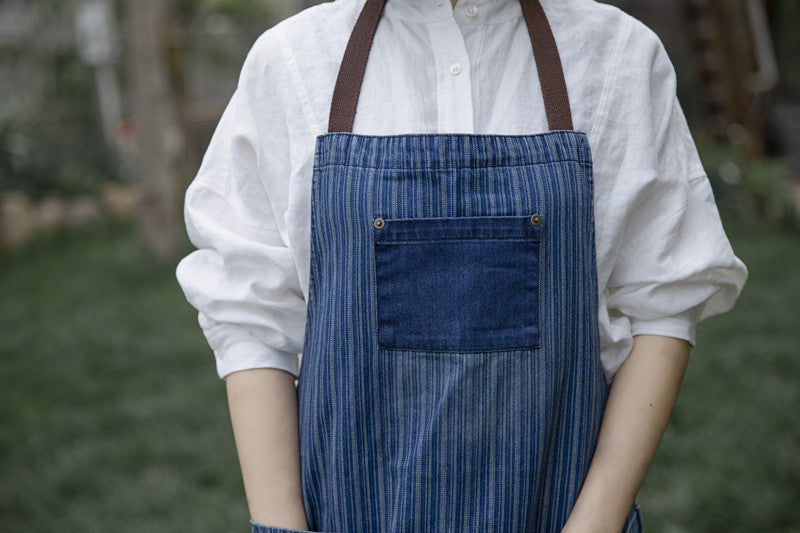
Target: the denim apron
(451, 378)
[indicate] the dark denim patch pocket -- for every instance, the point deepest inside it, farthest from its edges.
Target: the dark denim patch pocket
(466, 284)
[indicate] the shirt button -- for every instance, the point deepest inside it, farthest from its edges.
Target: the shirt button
(455, 69)
(471, 10)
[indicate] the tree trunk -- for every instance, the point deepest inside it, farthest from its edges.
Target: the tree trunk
(159, 138)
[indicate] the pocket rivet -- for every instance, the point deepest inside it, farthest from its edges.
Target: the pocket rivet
(536, 219)
(379, 223)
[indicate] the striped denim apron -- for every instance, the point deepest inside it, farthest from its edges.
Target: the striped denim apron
(451, 378)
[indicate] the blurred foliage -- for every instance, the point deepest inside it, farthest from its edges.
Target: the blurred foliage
(246, 13)
(51, 138)
(53, 142)
(757, 186)
(38, 157)
(244, 18)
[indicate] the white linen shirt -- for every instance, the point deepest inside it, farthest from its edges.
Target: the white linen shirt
(663, 260)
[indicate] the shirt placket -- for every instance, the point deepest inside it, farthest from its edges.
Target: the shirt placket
(453, 76)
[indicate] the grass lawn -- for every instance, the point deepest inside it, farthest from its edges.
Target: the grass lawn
(112, 416)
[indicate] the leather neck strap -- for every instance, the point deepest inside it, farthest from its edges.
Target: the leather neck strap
(354, 63)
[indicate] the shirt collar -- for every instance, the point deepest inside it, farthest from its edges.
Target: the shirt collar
(476, 12)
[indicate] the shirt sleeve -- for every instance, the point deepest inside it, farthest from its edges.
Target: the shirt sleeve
(674, 264)
(242, 278)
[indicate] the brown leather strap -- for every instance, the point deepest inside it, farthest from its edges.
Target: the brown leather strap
(354, 63)
(548, 64)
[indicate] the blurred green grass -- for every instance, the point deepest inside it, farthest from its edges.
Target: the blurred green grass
(112, 416)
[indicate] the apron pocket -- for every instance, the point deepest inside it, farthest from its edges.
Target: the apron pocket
(465, 284)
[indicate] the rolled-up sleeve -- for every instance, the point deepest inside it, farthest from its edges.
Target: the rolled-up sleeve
(664, 261)
(674, 265)
(242, 278)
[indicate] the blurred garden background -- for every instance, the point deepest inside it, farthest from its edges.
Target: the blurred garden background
(111, 413)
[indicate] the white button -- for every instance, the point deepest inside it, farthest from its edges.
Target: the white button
(455, 69)
(471, 10)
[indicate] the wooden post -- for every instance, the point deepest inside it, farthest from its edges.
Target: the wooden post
(159, 137)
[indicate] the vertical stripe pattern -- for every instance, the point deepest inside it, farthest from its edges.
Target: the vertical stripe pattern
(409, 440)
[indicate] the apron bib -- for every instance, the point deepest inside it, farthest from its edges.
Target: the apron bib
(451, 378)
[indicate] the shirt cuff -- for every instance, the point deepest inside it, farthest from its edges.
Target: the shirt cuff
(680, 326)
(247, 355)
